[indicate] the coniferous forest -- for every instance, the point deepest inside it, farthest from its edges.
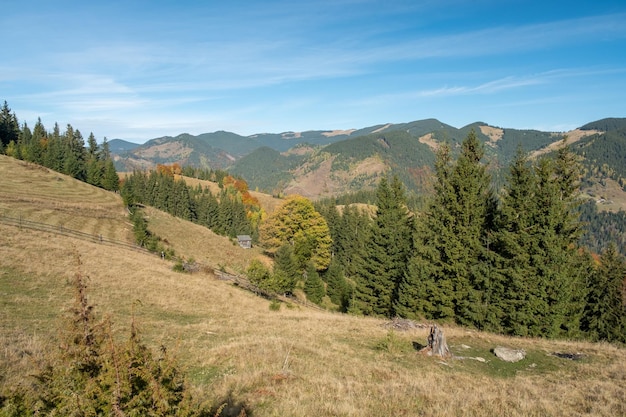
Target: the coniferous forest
(63, 152)
(511, 260)
(507, 262)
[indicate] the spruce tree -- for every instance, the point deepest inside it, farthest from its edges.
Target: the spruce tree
(353, 233)
(74, 155)
(426, 289)
(9, 127)
(110, 179)
(38, 144)
(285, 272)
(450, 270)
(55, 151)
(605, 311)
(514, 241)
(337, 287)
(537, 240)
(313, 285)
(94, 167)
(382, 264)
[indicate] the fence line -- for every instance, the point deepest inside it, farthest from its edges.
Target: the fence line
(245, 283)
(62, 230)
(239, 280)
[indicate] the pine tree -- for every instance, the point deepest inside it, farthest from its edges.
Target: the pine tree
(212, 210)
(313, 285)
(537, 240)
(38, 144)
(450, 271)
(23, 142)
(426, 290)
(605, 311)
(105, 153)
(353, 233)
(382, 265)
(514, 241)
(110, 179)
(285, 273)
(55, 151)
(472, 194)
(74, 161)
(225, 220)
(338, 289)
(9, 127)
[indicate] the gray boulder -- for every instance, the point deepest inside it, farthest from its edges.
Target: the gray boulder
(509, 355)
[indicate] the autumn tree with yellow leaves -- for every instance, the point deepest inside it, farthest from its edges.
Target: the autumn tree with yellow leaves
(297, 223)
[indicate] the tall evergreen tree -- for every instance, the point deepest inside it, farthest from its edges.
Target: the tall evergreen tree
(105, 153)
(38, 143)
(537, 239)
(338, 289)
(514, 241)
(382, 265)
(9, 127)
(605, 311)
(313, 285)
(74, 162)
(285, 272)
(24, 143)
(55, 151)
(94, 166)
(449, 275)
(353, 233)
(110, 179)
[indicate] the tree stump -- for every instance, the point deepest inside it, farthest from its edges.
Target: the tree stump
(437, 342)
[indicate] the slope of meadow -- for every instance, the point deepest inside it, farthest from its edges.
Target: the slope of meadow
(294, 361)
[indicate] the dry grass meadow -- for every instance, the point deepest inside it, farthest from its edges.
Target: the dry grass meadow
(291, 362)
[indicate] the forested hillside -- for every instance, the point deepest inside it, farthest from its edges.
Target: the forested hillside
(360, 157)
(604, 156)
(270, 169)
(507, 263)
(64, 152)
(504, 259)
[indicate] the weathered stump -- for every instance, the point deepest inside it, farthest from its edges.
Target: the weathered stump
(437, 342)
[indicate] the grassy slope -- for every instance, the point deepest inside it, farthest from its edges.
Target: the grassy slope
(295, 361)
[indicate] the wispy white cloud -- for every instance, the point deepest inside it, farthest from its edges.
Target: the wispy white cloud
(509, 39)
(220, 65)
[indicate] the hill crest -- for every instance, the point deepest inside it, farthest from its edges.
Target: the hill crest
(279, 163)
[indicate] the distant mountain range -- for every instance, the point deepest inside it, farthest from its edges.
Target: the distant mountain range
(325, 163)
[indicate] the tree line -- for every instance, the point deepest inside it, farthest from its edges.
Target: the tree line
(63, 152)
(230, 213)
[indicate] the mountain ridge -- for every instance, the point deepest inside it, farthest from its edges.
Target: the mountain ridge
(287, 162)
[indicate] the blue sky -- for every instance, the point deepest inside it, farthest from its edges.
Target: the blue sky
(137, 70)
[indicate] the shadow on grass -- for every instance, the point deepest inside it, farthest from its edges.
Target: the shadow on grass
(230, 407)
(418, 346)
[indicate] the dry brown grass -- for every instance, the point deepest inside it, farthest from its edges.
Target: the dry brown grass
(295, 361)
(611, 196)
(34, 193)
(573, 136)
(197, 242)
